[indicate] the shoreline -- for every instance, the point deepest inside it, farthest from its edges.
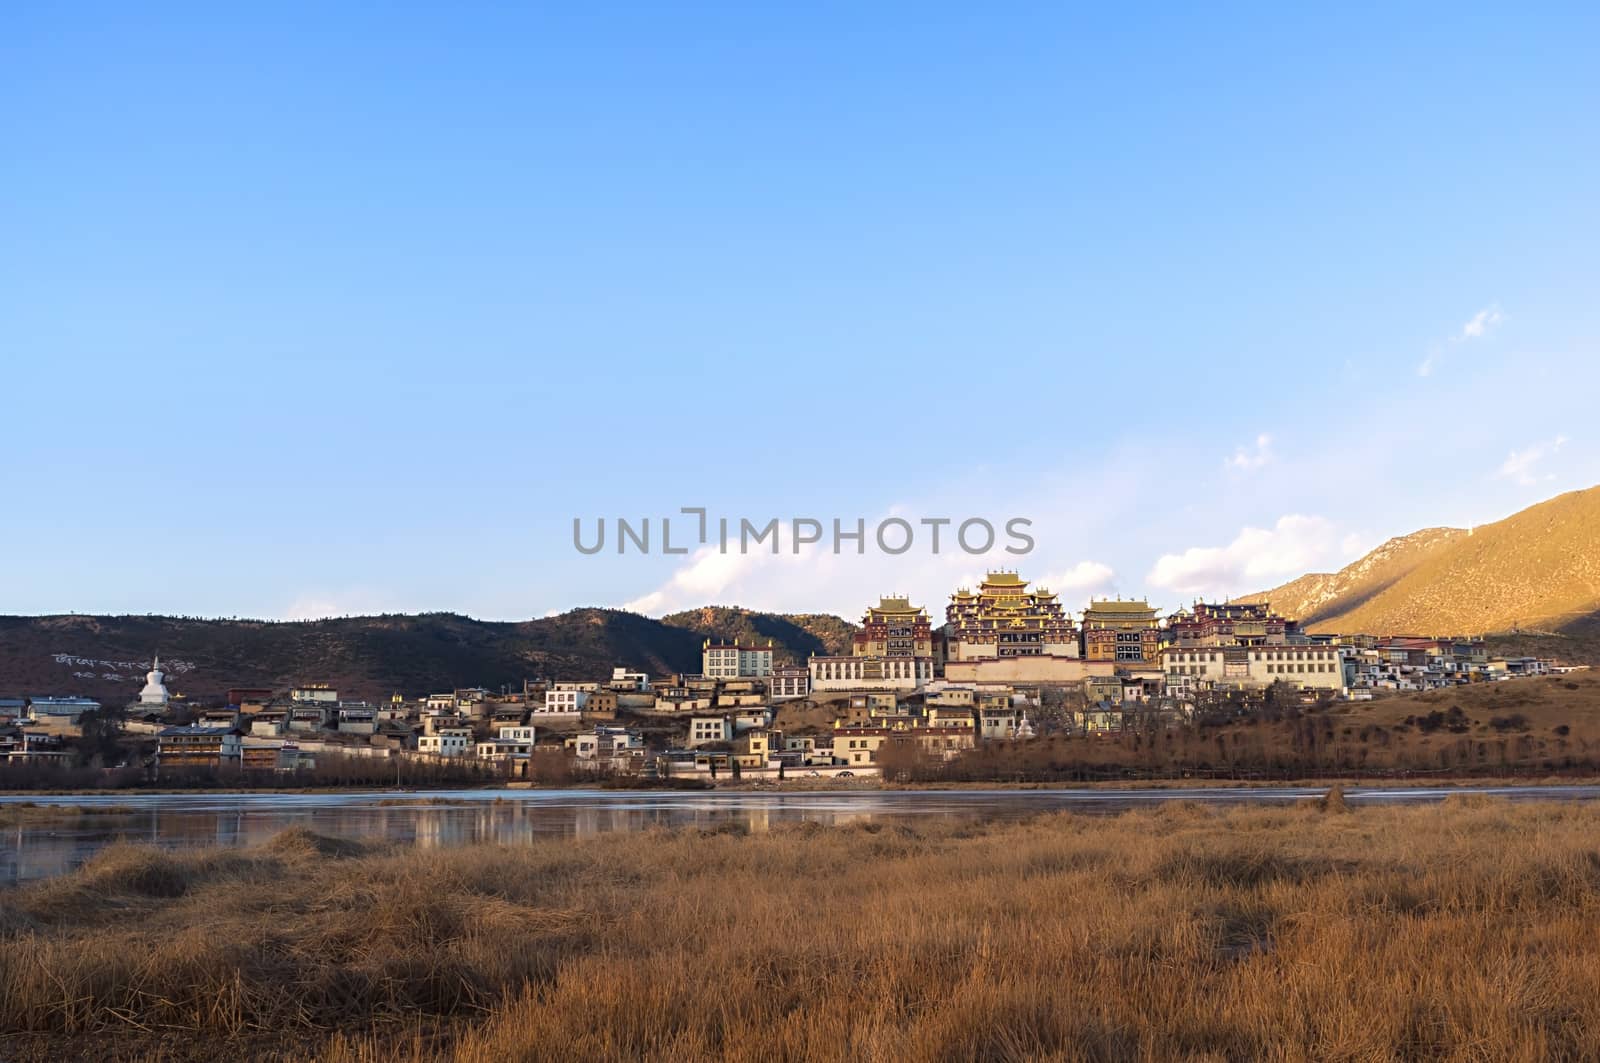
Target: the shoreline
(1456, 782)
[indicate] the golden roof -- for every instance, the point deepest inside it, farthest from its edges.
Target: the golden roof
(1120, 606)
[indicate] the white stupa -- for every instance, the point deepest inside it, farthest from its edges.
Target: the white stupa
(154, 696)
(1024, 728)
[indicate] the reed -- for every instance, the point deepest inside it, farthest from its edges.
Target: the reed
(1463, 930)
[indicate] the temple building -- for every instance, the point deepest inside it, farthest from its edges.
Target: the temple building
(1125, 632)
(893, 650)
(1005, 619)
(1231, 624)
(894, 628)
(1006, 632)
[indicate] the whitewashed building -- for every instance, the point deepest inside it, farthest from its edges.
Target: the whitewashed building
(733, 661)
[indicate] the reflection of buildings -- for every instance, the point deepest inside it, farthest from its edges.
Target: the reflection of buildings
(206, 822)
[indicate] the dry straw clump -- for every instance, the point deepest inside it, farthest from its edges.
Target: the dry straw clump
(1467, 930)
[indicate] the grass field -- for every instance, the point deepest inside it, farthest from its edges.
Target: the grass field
(1467, 930)
(1548, 702)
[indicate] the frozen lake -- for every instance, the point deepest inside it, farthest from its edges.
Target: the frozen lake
(39, 850)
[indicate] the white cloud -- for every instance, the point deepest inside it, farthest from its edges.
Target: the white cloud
(1256, 559)
(702, 580)
(1251, 458)
(1476, 327)
(1481, 323)
(1083, 578)
(1522, 465)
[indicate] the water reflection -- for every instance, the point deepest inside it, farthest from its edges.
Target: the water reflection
(178, 821)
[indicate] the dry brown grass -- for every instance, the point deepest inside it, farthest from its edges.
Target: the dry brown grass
(1466, 930)
(24, 813)
(1572, 699)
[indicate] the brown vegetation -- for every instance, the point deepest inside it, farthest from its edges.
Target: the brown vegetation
(1527, 729)
(1469, 929)
(1536, 570)
(330, 771)
(374, 656)
(23, 813)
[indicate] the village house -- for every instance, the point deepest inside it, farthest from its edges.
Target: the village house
(789, 682)
(616, 748)
(358, 718)
(249, 700)
(803, 746)
(859, 746)
(626, 682)
(59, 715)
(510, 750)
(471, 701)
(269, 722)
(997, 718)
(941, 716)
(748, 718)
(35, 747)
(751, 748)
(446, 742)
(733, 661)
(435, 721)
(951, 697)
(708, 730)
(601, 704)
(227, 716)
(310, 716)
(1101, 718)
(1517, 666)
(564, 699)
(198, 747)
(679, 698)
(258, 756)
(507, 713)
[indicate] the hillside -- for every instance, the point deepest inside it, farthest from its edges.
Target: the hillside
(795, 636)
(373, 656)
(1318, 595)
(1537, 570)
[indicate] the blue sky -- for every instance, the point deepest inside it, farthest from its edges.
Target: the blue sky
(308, 312)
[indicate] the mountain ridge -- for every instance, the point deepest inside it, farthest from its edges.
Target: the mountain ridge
(374, 656)
(1537, 570)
